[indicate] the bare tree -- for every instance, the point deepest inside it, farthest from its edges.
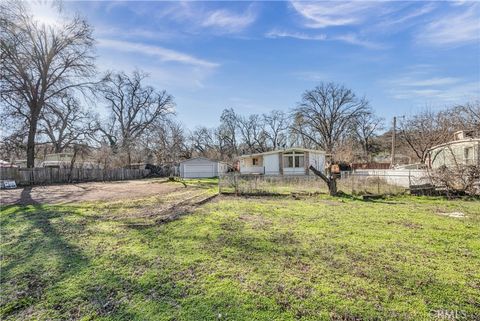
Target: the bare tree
(12, 147)
(365, 127)
(169, 142)
(425, 130)
(298, 135)
(64, 123)
(227, 133)
(456, 177)
(471, 115)
(202, 140)
(276, 125)
(327, 112)
(253, 135)
(40, 63)
(134, 109)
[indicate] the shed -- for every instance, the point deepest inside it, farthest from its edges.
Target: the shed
(201, 167)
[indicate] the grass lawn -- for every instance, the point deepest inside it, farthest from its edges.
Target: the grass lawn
(318, 258)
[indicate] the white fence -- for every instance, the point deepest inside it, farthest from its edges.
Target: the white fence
(399, 177)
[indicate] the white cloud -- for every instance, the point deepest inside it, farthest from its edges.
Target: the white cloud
(195, 17)
(229, 21)
(406, 18)
(103, 31)
(172, 77)
(348, 38)
(435, 81)
(334, 13)
(355, 40)
(421, 86)
(456, 94)
(453, 29)
(453, 23)
(161, 53)
(297, 35)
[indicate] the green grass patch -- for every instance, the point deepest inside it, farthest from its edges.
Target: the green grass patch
(318, 258)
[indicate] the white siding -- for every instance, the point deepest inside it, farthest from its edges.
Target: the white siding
(222, 168)
(251, 170)
(246, 166)
(454, 154)
(271, 163)
(317, 160)
(198, 168)
(398, 177)
(293, 171)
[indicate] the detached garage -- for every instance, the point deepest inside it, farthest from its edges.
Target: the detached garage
(201, 167)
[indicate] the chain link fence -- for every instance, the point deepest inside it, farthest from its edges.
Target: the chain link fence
(354, 183)
(234, 183)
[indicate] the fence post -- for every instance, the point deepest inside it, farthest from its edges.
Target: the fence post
(353, 183)
(235, 184)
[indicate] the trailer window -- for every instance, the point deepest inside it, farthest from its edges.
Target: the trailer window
(468, 155)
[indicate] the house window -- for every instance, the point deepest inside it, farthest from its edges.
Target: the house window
(294, 160)
(289, 161)
(255, 161)
(299, 161)
(468, 155)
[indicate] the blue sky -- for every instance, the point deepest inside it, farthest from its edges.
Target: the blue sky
(259, 56)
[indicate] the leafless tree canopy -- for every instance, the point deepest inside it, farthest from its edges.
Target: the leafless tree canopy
(168, 142)
(366, 127)
(427, 129)
(40, 63)
(253, 133)
(241, 134)
(64, 123)
(227, 132)
(471, 115)
(327, 112)
(276, 128)
(134, 109)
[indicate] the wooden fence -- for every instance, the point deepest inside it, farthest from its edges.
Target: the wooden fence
(43, 176)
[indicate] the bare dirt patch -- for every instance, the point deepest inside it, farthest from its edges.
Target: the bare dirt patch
(453, 214)
(94, 191)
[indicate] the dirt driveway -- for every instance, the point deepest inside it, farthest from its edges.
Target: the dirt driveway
(71, 193)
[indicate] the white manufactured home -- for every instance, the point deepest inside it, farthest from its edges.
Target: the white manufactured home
(464, 150)
(292, 161)
(201, 167)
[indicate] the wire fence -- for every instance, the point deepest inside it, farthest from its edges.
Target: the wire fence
(354, 183)
(262, 184)
(360, 184)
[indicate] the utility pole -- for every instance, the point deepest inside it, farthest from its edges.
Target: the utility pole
(394, 138)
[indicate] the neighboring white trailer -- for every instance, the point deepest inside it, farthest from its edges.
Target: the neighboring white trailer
(201, 168)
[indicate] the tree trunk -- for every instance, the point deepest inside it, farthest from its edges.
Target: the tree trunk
(32, 131)
(72, 163)
(330, 181)
(58, 148)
